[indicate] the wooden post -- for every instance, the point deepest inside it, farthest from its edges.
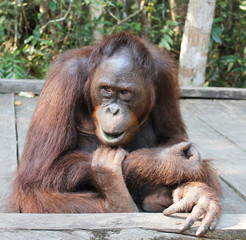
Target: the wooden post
(173, 11)
(96, 11)
(194, 46)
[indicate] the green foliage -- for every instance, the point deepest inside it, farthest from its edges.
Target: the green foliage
(168, 34)
(227, 55)
(12, 65)
(33, 33)
(217, 30)
(30, 36)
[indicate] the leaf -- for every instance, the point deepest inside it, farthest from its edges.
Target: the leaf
(236, 69)
(36, 33)
(52, 5)
(17, 61)
(168, 38)
(229, 58)
(106, 23)
(10, 69)
(206, 84)
(164, 44)
(47, 42)
(10, 75)
(243, 6)
(216, 34)
(19, 75)
(138, 27)
(171, 23)
(27, 40)
(7, 65)
(20, 69)
(170, 31)
(1, 73)
(218, 19)
(18, 103)
(99, 30)
(26, 94)
(230, 66)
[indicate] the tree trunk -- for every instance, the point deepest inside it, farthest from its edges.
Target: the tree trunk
(96, 11)
(125, 8)
(194, 46)
(173, 10)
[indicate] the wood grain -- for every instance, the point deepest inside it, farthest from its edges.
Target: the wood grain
(231, 226)
(229, 158)
(8, 152)
(35, 86)
(24, 114)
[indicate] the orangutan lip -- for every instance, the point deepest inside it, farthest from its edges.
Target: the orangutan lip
(112, 136)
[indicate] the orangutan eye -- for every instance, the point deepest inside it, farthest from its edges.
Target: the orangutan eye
(106, 91)
(125, 94)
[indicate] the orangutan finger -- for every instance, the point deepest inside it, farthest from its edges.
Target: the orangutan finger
(185, 204)
(209, 218)
(213, 224)
(197, 211)
(177, 195)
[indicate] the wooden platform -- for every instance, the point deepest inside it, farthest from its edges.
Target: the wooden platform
(216, 126)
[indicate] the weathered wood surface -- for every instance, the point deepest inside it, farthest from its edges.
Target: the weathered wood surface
(229, 157)
(213, 92)
(8, 151)
(114, 226)
(221, 118)
(237, 107)
(216, 127)
(18, 85)
(232, 203)
(24, 114)
(35, 86)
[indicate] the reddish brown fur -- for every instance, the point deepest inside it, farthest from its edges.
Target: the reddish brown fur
(54, 172)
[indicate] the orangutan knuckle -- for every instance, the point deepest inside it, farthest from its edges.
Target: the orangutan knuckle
(120, 155)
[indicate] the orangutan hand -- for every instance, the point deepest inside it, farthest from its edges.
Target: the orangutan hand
(200, 200)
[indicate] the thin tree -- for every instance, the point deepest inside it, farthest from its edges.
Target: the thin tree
(96, 9)
(173, 11)
(194, 46)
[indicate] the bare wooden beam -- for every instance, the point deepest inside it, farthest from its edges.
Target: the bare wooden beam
(35, 86)
(18, 85)
(213, 92)
(116, 225)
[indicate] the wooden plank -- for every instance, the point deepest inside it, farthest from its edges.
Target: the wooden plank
(18, 85)
(115, 234)
(239, 107)
(24, 114)
(231, 202)
(229, 160)
(213, 92)
(35, 86)
(8, 154)
(227, 122)
(5, 190)
(230, 226)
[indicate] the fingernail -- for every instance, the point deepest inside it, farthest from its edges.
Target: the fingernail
(165, 213)
(200, 232)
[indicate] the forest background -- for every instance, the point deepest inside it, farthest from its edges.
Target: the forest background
(33, 33)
